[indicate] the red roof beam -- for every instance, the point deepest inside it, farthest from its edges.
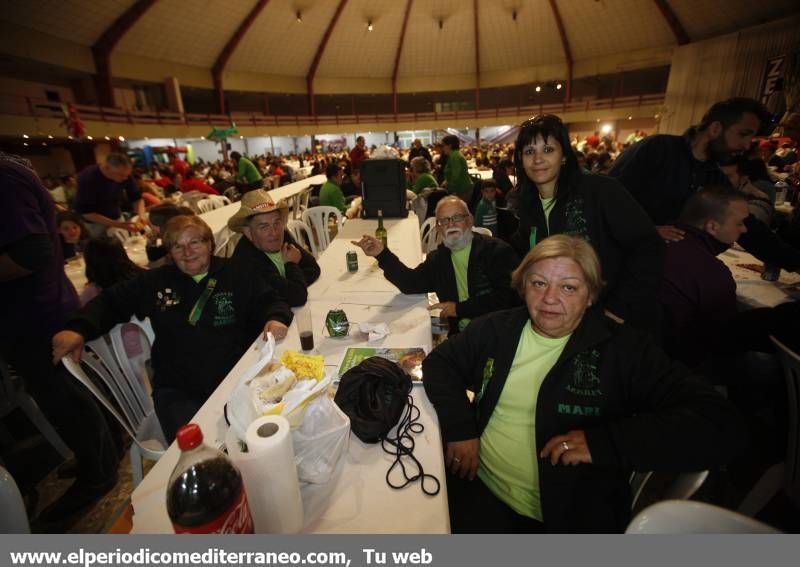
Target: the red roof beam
(102, 48)
(673, 22)
(312, 109)
(397, 56)
(224, 56)
(565, 44)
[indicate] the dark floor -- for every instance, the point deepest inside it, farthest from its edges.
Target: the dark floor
(33, 463)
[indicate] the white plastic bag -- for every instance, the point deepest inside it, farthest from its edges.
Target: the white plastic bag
(321, 440)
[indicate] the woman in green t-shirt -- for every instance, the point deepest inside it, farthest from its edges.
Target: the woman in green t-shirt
(567, 402)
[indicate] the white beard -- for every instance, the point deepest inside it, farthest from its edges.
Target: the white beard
(456, 239)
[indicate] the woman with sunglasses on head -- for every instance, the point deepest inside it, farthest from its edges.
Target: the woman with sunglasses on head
(204, 315)
(556, 197)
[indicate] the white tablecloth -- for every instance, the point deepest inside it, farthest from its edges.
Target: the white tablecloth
(218, 218)
(482, 173)
(751, 290)
(357, 499)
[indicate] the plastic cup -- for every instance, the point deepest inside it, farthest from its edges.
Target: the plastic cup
(304, 329)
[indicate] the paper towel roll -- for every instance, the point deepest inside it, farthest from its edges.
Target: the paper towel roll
(269, 474)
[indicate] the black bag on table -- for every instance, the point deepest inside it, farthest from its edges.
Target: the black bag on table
(373, 395)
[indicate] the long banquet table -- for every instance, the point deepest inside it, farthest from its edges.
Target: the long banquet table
(357, 498)
(751, 290)
(218, 218)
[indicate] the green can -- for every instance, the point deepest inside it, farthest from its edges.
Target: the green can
(336, 323)
(352, 261)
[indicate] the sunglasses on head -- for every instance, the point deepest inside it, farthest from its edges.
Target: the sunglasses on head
(540, 119)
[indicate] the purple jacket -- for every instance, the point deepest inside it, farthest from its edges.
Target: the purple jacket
(698, 295)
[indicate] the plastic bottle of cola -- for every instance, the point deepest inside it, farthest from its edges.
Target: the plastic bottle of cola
(206, 493)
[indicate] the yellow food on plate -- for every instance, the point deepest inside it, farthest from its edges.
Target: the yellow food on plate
(304, 365)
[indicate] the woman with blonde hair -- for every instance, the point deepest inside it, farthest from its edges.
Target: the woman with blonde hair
(566, 403)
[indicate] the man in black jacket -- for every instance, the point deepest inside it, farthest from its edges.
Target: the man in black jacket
(269, 250)
(470, 273)
(663, 171)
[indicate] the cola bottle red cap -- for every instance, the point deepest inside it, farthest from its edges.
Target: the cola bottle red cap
(189, 436)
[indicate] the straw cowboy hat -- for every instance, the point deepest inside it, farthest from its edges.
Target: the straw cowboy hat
(254, 203)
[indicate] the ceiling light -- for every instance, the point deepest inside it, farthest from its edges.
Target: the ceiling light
(24, 143)
(369, 25)
(202, 137)
(606, 128)
(538, 89)
(49, 136)
(69, 137)
(299, 17)
(146, 138)
(106, 137)
(241, 137)
(121, 138)
(630, 117)
(558, 86)
(44, 143)
(89, 138)
(25, 136)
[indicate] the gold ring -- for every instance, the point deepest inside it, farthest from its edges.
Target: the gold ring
(565, 445)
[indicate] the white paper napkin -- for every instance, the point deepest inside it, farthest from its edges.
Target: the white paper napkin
(376, 331)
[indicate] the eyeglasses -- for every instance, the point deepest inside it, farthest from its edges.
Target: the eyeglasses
(193, 244)
(444, 221)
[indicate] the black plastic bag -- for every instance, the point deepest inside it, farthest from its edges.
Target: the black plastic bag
(373, 395)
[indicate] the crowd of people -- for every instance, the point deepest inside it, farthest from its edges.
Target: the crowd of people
(590, 325)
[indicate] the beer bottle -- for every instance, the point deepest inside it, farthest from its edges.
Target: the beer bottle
(380, 232)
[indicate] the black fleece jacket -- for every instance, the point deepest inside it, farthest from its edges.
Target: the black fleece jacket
(293, 287)
(193, 358)
(491, 262)
(639, 410)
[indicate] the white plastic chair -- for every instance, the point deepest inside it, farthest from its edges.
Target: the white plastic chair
(14, 519)
(228, 240)
(127, 380)
(482, 230)
(13, 395)
(220, 201)
(784, 475)
(205, 205)
(682, 488)
(429, 236)
(317, 219)
(302, 234)
(688, 517)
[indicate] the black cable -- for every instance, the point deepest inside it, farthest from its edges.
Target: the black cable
(402, 445)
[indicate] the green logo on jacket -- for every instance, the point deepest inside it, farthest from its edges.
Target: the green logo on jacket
(585, 375)
(488, 370)
(572, 409)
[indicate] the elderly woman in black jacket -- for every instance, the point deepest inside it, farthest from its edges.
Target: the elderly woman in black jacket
(204, 313)
(566, 404)
(556, 197)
